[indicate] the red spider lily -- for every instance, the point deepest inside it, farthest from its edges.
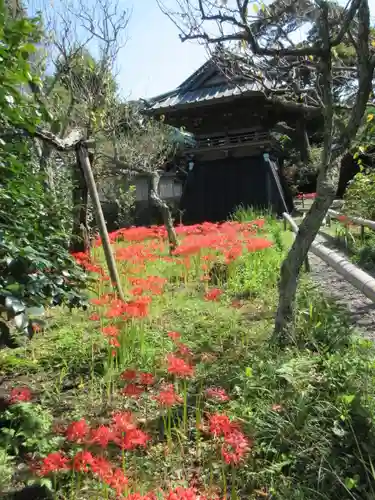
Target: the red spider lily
(101, 436)
(102, 468)
(54, 462)
(217, 393)
(19, 395)
(137, 308)
(306, 196)
(235, 447)
(138, 496)
(259, 223)
(117, 481)
(122, 422)
(183, 494)
(174, 335)
(77, 431)
(94, 317)
(129, 375)
(179, 367)
(36, 328)
(102, 301)
(147, 379)
(110, 331)
(258, 244)
(151, 284)
(133, 438)
(343, 219)
(82, 460)
(220, 425)
(213, 294)
(80, 256)
(168, 397)
(114, 342)
(132, 390)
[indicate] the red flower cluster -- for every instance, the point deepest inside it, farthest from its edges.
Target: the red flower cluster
(85, 261)
(84, 461)
(151, 284)
(144, 378)
(228, 239)
(306, 196)
(179, 367)
(213, 294)
(122, 431)
(235, 444)
(19, 395)
(217, 394)
(137, 308)
(174, 335)
(168, 397)
(183, 494)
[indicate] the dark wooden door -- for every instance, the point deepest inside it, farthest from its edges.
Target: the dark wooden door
(215, 189)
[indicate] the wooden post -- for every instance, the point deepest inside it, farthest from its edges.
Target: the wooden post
(83, 156)
(329, 220)
(362, 233)
(307, 265)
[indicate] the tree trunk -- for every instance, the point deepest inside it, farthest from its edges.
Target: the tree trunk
(80, 241)
(164, 210)
(290, 268)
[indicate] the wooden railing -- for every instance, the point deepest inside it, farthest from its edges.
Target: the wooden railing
(350, 272)
(230, 141)
(358, 221)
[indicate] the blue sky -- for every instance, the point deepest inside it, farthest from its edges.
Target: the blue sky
(154, 60)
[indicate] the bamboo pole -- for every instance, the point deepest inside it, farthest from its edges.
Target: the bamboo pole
(99, 217)
(355, 276)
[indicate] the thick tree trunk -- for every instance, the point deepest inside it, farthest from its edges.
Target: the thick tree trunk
(164, 210)
(80, 241)
(290, 268)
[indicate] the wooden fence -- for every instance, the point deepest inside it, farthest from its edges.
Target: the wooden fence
(350, 272)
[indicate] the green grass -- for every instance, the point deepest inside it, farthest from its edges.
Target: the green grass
(308, 409)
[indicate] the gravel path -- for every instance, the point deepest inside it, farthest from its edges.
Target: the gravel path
(361, 309)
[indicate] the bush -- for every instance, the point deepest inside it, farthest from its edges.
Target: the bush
(35, 266)
(360, 195)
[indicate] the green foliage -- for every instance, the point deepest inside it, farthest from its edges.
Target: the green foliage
(360, 195)
(18, 37)
(6, 469)
(35, 267)
(26, 428)
(125, 200)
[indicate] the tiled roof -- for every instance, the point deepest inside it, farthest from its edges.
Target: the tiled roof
(179, 97)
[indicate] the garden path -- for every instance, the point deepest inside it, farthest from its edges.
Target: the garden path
(361, 309)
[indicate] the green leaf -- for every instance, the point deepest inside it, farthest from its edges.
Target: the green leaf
(348, 398)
